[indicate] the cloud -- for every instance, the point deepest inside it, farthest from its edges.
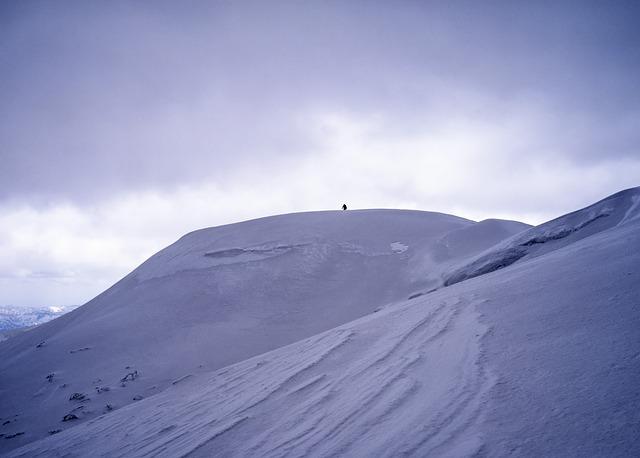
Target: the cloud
(123, 127)
(73, 251)
(99, 101)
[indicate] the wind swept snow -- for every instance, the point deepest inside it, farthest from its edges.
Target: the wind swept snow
(407, 381)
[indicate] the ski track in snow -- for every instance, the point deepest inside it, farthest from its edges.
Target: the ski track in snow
(407, 381)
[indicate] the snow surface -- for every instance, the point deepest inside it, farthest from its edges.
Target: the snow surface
(219, 296)
(540, 357)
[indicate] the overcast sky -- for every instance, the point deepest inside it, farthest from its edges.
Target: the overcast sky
(124, 125)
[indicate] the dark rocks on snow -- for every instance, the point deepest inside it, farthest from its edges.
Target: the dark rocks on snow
(54, 431)
(138, 397)
(11, 436)
(69, 417)
(78, 397)
(130, 376)
(41, 344)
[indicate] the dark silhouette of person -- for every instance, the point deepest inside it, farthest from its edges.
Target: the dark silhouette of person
(344, 206)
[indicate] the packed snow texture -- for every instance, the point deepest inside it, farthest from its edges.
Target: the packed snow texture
(540, 357)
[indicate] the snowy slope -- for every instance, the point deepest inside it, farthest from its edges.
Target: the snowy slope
(219, 296)
(539, 358)
(620, 208)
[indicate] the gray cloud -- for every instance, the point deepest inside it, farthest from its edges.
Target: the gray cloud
(103, 98)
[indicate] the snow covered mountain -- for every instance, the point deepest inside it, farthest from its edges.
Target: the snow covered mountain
(333, 333)
(14, 320)
(12, 317)
(221, 295)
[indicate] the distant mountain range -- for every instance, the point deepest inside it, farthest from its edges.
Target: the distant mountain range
(14, 317)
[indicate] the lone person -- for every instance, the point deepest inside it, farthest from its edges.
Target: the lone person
(344, 206)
